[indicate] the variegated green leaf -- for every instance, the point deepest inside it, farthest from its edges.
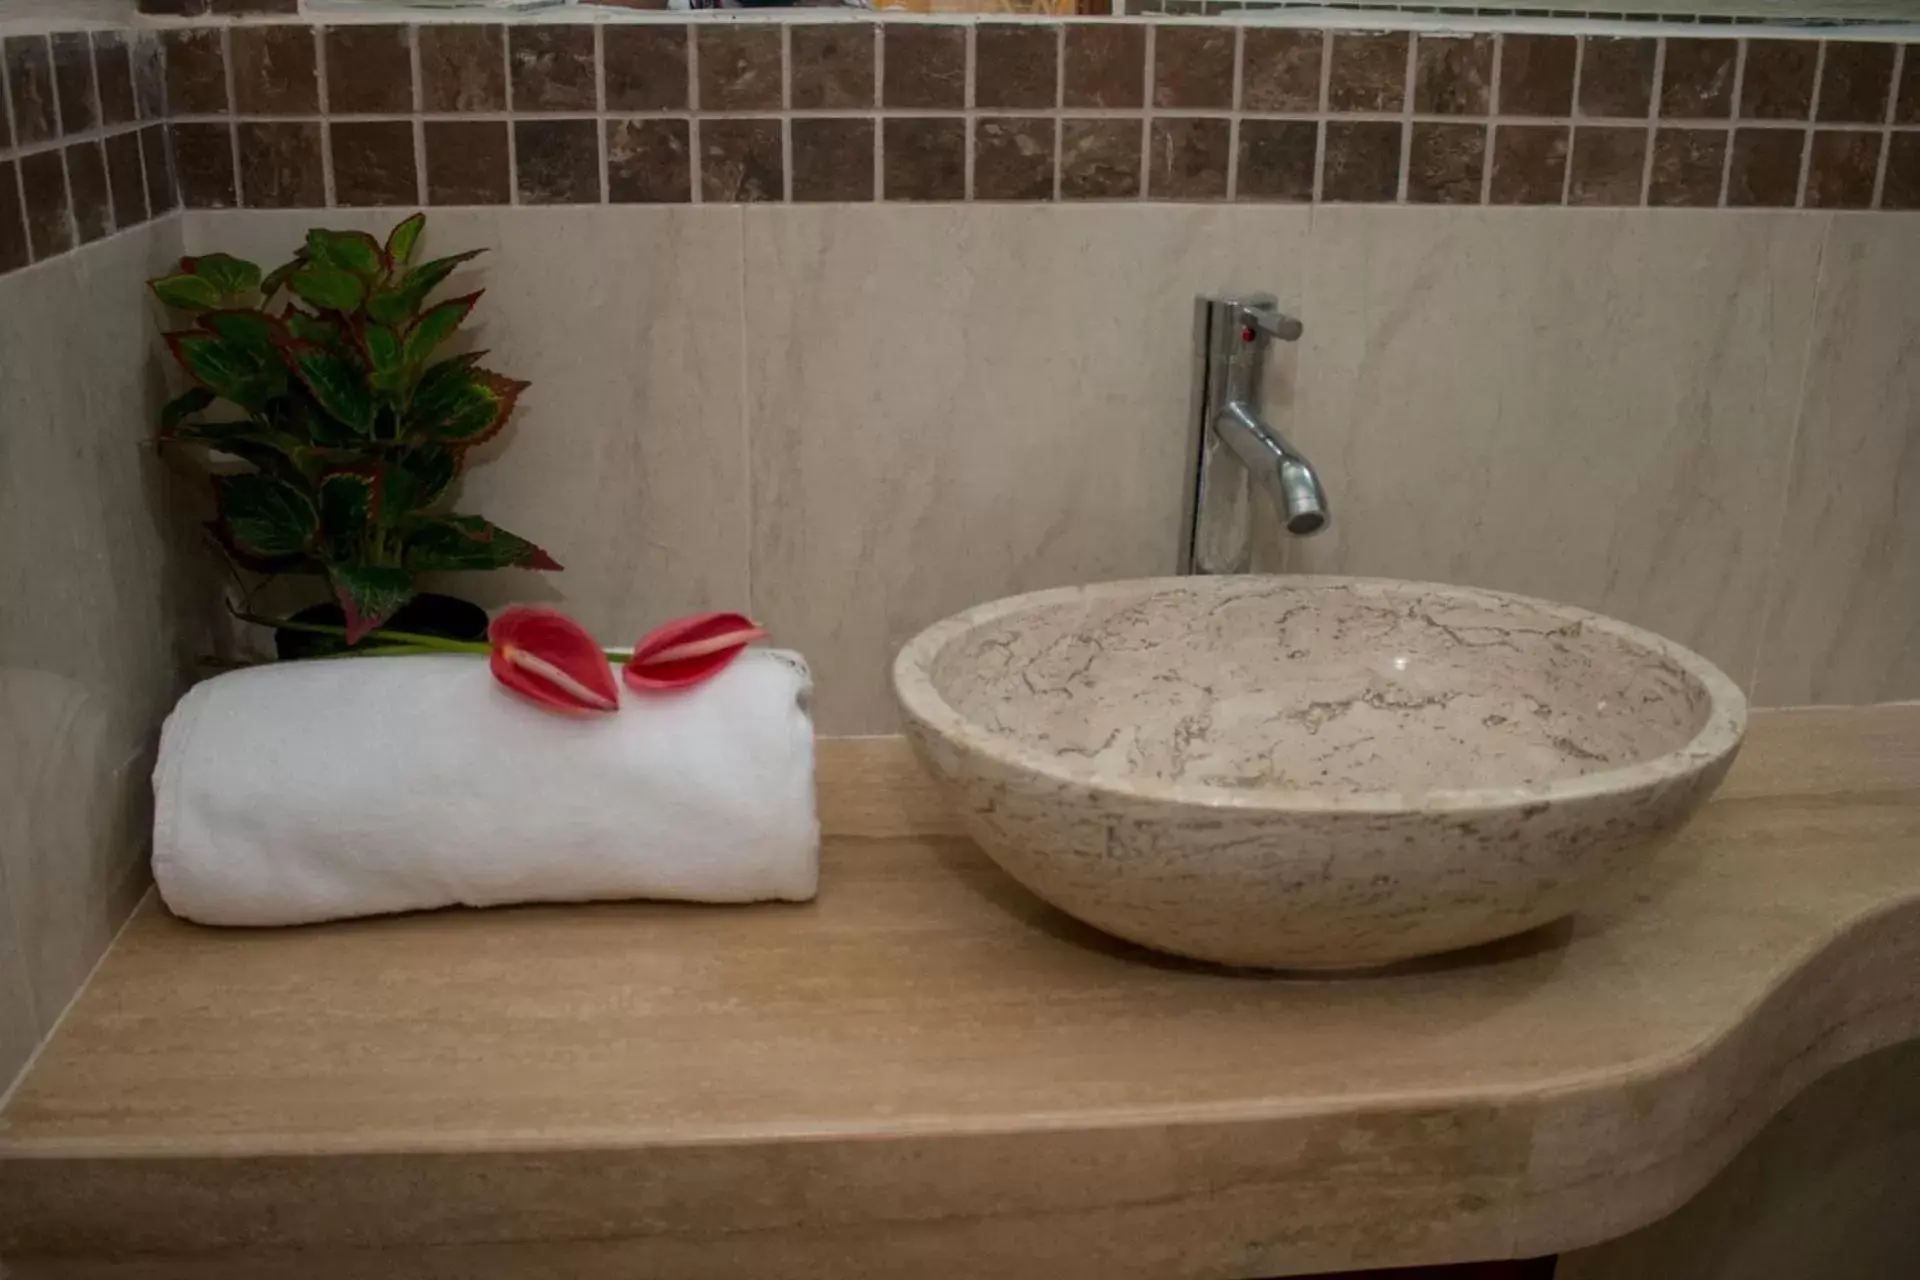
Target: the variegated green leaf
(265, 516)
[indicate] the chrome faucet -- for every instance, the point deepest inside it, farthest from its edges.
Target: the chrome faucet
(1232, 334)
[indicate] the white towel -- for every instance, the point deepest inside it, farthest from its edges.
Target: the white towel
(311, 791)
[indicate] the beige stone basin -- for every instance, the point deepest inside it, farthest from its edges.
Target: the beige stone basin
(1312, 772)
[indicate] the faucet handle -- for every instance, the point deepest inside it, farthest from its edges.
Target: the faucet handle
(1257, 318)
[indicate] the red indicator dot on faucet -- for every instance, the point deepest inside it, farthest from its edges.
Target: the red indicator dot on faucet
(1247, 333)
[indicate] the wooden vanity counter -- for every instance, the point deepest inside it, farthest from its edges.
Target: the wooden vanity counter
(927, 1073)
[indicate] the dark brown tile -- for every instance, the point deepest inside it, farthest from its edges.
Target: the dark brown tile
(274, 71)
(558, 161)
(196, 71)
(739, 67)
(833, 159)
(281, 166)
(1529, 163)
(551, 68)
(14, 250)
(30, 79)
(925, 66)
(1277, 159)
(43, 180)
(149, 76)
(830, 65)
(1906, 103)
(1445, 162)
(1855, 80)
(741, 161)
(1280, 69)
(1013, 158)
(1697, 82)
(1105, 65)
(1901, 190)
(1192, 67)
(87, 184)
(373, 163)
(1536, 75)
(113, 72)
(125, 181)
(924, 159)
(203, 165)
(156, 158)
(646, 68)
(369, 70)
(1841, 170)
(1368, 71)
(73, 81)
(1608, 165)
(467, 162)
(1687, 165)
(1616, 77)
(1765, 171)
(1187, 158)
(1778, 81)
(1015, 66)
(176, 8)
(463, 66)
(651, 161)
(1099, 159)
(1361, 161)
(1452, 75)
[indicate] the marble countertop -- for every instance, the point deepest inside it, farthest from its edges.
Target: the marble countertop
(929, 1073)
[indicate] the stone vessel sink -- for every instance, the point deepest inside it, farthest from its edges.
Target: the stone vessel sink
(1312, 772)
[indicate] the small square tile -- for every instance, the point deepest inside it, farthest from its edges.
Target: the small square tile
(87, 185)
(1778, 81)
(558, 161)
(463, 66)
(1368, 71)
(281, 165)
(369, 70)
(1105, 65)
(1361, 162)
(149, 76)
(1452, 75)
(113, 72)
(651, 161)
(1901, 190)
(1188, 158)
(43, 179)
(1608, 164)
(1015, 66)
(924, 158)
(1100, 159)
(1013, 158)
(203, 165)
(1529, 164)
(646, 68)
(741, 161)
(14, 249)
(125, 181)
(739, 67)
(1192, 67)
(1697, 82)
(275, 70)
(467, 162)
(830, 65)
(30, 78)
(156, 159)
(833, 159)
(1687, 166)
(196, 72)
(1277, 159)
(1765, 172)
(1616, 77)
(73, 81)
(1280, 69)
(1842, 168)
(1536, 75)
(373, 163)
(1445, 163)
(925, 66)
(551, 68)
(1855, 80)
(1906, 103)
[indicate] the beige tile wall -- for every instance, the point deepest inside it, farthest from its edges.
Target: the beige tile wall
(96, 629)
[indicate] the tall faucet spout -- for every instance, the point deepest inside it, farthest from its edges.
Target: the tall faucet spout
(1281, 470)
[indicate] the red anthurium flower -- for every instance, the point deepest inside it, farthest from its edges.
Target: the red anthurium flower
(685, 652)
(547, 657)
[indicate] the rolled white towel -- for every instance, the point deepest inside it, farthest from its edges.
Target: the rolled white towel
(312, 791)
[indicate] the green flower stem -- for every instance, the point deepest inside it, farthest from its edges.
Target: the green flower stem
(396, 643)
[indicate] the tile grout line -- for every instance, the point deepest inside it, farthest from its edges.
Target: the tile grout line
(603, 126)
(1886, 130)
(1406, 124)
(1493, 132)
(1321, 136)
(786, 113)
(1573, 115)
(1059, 123)
(416, 65)
(1732, 126)
(1234, 93)
(695, 161)
(513, 132)
(1150, 47)
(1813, 120)
(329, 189)
(100, 123)
(879, 98)
(1653, 124)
